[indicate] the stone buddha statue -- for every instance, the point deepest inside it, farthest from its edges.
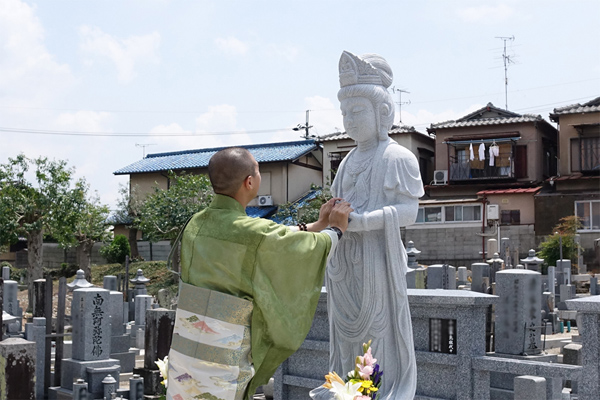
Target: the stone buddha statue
(366, 284)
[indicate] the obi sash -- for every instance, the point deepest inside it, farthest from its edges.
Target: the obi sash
(210, 352)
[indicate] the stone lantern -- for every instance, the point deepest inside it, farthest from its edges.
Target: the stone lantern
(412, 253)
(79, 282)
(532, 262)
(140, 282)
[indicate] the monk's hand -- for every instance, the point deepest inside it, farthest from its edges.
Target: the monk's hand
(326, 210)
(339, 215)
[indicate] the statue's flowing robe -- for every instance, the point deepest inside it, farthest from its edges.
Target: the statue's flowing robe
(366, 283)
(279, 271)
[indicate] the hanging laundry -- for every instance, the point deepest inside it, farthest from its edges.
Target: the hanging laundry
(494, 152)
(471, 155)
(482, 152)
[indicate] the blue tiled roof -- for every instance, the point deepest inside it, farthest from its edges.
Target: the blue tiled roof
(191, 159)
(261, 212)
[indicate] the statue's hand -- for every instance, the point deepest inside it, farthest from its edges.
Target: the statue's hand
(356, 222)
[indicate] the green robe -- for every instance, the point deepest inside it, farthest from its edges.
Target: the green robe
(279, 270)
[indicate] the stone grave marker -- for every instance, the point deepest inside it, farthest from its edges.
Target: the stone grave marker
(91, 342)
(462, 276)
(480, 277)
(594, 286)
(6, 273)
(518, 313)
(12, 306)
(36, 332)
(441, 276)
(17, 369)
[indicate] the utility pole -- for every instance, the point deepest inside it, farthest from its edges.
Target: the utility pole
(306, 127)
(400, 91)
(507, 60)
(143, 146)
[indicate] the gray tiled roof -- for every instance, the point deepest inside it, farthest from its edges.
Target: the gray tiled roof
(191, 159)
(488, 121)
(590, 106)
(394, 130)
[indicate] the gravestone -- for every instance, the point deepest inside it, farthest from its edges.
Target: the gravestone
(91, 342)
(36, 332)
(110, 283)
(594, 286)
(530, 388)
(572, 356)
(552, 281)
(518, 313)
(495, 265)
(6, 273)
(119, 339)
(566, 292)
(39, 298)
(480, 277)
(492, 246)
(158, 334)
(17, 369)
(564, 266)
(462, 276)
(12, 306)
(142, 303)
(441, 276)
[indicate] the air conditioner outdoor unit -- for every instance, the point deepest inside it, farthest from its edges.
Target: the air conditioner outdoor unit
(440, 177)
(493, 211)
(265, 201)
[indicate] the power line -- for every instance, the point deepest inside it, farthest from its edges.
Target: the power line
(132, 134)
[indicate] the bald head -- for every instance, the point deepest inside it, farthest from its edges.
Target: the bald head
(228, 169)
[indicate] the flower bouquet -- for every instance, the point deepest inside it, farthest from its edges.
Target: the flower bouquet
(360, 384)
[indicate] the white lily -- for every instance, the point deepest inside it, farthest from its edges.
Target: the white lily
(345, 392)
(163, 367)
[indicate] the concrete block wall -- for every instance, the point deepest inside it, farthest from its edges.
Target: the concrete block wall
(461, 246)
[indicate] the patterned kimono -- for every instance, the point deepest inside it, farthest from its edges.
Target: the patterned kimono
(249, 291)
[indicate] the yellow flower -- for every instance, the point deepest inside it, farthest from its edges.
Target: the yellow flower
(367, 384)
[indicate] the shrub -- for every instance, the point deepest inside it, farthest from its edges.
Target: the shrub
(117, 250)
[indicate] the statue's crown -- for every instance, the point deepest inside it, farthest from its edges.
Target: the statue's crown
(355, 70)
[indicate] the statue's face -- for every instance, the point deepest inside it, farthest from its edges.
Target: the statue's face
(360, 118)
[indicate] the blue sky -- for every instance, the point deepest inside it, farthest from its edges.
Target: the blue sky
(177, 72)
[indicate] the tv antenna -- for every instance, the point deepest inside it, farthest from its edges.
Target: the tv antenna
(507, 60)
(143, 146)
(306, 127)
(400, 91)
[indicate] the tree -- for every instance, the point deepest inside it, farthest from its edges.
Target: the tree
(164, 212)
(117, 251)
(30, 209)
(86, 221)
(565, 230)
(128, 209)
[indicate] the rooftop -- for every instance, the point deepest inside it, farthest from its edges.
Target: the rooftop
(393, 131)
(510, 191)
(589, 107)
(488, 115)
(192, 159)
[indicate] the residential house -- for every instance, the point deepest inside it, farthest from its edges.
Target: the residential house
(287, 169)
(575, 189)
(337, 145)
(490, 157)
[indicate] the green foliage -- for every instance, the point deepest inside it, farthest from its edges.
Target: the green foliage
(66, 270)
(28, 207)
(307, 214)
(164, 212)
(550, 248)
(160, 277)
(15, 273)
(117, 250)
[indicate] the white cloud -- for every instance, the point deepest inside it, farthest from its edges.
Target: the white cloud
(83, 121)
(487, 14)
(232, 46)
(124, 53)
(29, 75)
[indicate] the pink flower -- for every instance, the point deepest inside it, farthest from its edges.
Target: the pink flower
(368, 359)
(362, 398)
(364, 371)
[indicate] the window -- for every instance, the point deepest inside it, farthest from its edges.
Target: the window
(441, 214)
(589, 214)
(510, 217)
(463, 213)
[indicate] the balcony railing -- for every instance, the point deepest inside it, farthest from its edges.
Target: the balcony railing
(464, 171)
